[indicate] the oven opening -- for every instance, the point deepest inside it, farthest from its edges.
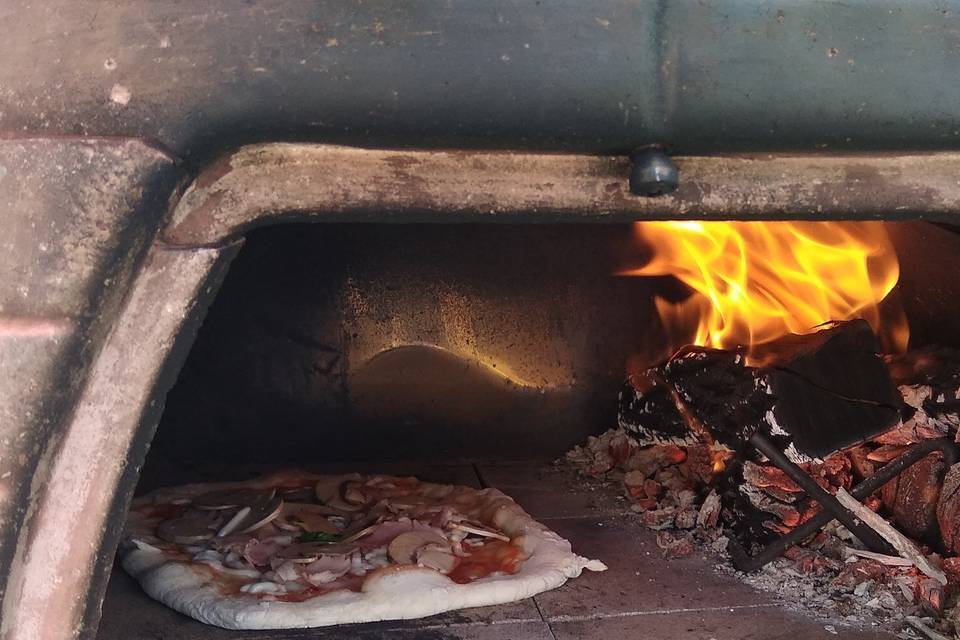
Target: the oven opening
(482, 354)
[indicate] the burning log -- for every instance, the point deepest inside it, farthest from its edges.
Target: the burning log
(912, 498)
(805, 395)
(948, 510)
(811, 394)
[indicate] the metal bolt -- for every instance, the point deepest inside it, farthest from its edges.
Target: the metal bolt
(652, 173)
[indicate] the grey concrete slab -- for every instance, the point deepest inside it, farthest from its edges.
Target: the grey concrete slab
(548, 491)
(639, 578)
(757, 623)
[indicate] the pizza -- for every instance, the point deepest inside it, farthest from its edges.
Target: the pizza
(295, 549)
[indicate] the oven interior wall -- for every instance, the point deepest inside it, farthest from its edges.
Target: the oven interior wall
(372, 342)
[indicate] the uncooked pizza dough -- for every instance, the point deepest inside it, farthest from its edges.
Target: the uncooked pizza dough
(296, 549)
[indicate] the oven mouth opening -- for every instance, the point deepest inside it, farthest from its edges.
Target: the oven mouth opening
(460, 353)
(195, 248)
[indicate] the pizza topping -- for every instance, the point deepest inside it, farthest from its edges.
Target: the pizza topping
(164, 511)
(385, 532)
(289, 571)
(229, 499)
(308, 552)
(235, 561)
(191, 527)
(319, 536)
(437, 557)
(486, 559)
(264, 587)
(215, 561)
(259, 553)
(347, 582)
(311, 518)
(331, 491)
(298, 542)
(479, 530)
(234, 523)
(326, 569)
(353, 494)
(404, 547)
(263, 511)
(299, 494)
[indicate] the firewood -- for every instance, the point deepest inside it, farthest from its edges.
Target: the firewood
(948, 510)
(900, 542)
(813, 394)
(890, 561)
(912, 498)
(924, 630)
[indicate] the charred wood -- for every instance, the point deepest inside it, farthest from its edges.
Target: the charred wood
(812, 394)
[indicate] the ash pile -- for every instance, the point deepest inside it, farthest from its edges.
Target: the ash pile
(824, 470)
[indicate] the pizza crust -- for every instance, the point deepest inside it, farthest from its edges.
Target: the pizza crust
(389, 593)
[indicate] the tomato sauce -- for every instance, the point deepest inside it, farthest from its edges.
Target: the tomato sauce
(491, 557)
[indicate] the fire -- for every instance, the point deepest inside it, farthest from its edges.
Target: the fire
(756, 281)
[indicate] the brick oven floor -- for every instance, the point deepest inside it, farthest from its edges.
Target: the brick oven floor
(643, 596)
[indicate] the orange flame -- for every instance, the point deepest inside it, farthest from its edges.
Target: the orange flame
(757, 281)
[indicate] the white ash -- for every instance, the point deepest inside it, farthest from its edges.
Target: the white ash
(680, 515)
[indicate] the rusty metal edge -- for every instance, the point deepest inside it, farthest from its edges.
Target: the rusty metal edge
(284, 182)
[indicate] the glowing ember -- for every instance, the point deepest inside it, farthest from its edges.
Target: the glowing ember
(756, 281)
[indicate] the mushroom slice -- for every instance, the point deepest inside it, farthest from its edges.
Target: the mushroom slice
(437, 557)
(353, 537)
(329, 487)
(403, 548)
(229, 498)
(192, 527)
(479, 531)
(352, 493)
(309, 517)
(261, 513)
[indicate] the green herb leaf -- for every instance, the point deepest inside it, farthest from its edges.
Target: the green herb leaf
(319, 536)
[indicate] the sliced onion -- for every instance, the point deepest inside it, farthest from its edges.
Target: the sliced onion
(262, 514)
(479, 531)
(234, 522)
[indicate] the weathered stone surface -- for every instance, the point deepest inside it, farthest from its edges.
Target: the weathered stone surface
(76, 217)
(594, 76)
(266, 182)
(86, 484)
(75, 211)
(31, 397)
